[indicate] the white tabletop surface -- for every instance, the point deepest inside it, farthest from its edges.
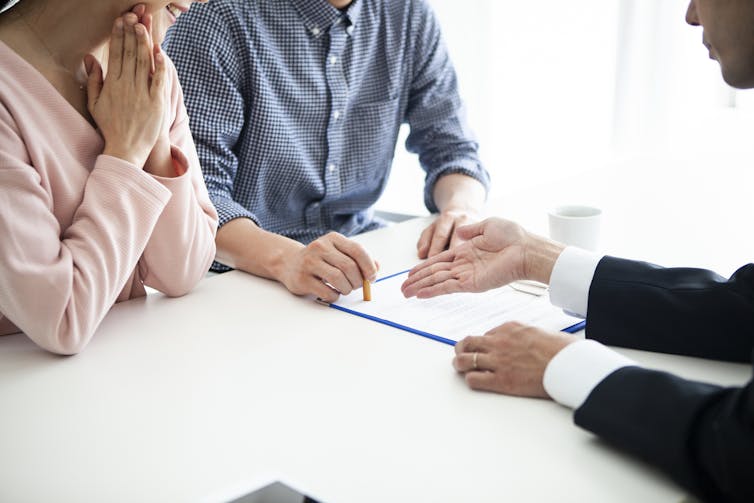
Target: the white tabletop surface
(186, 399)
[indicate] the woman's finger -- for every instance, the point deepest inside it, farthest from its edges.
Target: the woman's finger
(157, 88)
(93, 81)
(139, 9)
(143, 57)
(146, 20)
(129, 46)
(115, 57)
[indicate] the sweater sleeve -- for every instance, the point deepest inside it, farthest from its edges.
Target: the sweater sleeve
(440, 134)
(182, 246)
(56, 285)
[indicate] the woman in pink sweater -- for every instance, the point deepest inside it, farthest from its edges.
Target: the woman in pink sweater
(100, 187)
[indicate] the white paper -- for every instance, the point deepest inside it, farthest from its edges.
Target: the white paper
(456, 315)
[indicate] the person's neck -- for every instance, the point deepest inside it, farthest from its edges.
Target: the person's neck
(66, 29)
(340, 4)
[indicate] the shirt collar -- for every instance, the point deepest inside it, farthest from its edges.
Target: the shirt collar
(320, 15)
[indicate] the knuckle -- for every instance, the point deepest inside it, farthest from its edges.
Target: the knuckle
(511, 326)
(463, 345)
(317, 246)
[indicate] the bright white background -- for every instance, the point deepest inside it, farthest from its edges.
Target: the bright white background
(554, 89)
(557, 88)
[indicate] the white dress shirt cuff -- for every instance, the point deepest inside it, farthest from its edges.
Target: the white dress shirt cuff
(571, 278)
(579, 367)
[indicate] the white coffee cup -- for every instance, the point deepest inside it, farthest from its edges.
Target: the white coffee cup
(576, 226)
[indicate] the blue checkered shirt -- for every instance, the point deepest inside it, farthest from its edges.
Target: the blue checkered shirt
(295, 107)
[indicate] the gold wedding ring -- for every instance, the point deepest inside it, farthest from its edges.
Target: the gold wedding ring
(474, 361)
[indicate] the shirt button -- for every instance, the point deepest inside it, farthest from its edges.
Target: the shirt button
(349, 30)
(336, 114)
(333, 60)
(315, 31)
(331, 168)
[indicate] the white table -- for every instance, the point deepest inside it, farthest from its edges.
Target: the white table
(182, 399)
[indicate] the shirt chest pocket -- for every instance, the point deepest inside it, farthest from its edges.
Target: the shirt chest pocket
(371, 130)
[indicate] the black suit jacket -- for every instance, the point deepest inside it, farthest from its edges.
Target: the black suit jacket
(702, 435)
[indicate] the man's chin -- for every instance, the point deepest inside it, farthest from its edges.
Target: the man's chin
(740, 79)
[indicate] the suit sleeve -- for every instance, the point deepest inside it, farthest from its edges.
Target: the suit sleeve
(700, 434)
(691, 312)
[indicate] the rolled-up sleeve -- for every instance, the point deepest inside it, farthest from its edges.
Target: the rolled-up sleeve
(213, 84)
(440, 135)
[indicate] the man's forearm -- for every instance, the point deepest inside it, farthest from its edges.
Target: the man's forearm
(540, 257)
(241, 244)
(456, 191)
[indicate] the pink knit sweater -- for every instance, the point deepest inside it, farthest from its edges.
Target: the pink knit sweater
(80, 230)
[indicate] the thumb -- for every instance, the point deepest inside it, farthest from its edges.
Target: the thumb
(93, 81)
(467, 232)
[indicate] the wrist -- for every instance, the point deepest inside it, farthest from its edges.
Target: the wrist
(282, 259)
(241, 244)
(461, 205)
(555, 343)
(540, 256)
(160, 160)
(125, 154)
(459, 192)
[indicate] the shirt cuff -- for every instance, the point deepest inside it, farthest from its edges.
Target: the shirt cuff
(571, 278)
(578, 368)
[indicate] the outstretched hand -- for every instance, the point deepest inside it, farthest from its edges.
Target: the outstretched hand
(492, 255)
(496, 252)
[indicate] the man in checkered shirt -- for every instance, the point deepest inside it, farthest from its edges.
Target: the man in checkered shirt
(295, 107)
